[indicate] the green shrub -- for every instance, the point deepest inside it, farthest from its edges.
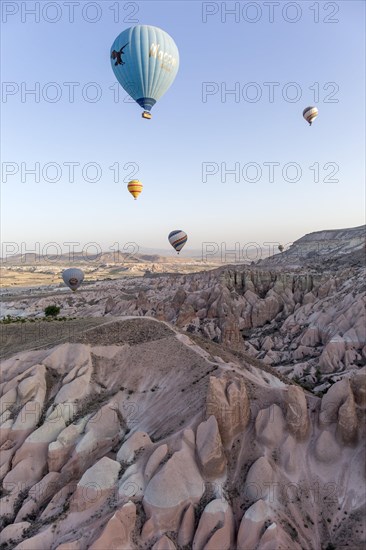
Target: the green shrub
(52, 311)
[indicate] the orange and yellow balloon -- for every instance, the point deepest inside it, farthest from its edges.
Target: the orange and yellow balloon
(135, 188)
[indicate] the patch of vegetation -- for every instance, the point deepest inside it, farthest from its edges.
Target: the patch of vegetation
(22, 496)
(90, 404)
(9, 319)
(275, 455)
(308, 386)
(42, 416)
(66, 507)
(291, 531)
(165, 460)
(52, 311)
(140, 522)
(4, 521)
(30, 517)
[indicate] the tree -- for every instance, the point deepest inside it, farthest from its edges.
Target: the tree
(52, 311)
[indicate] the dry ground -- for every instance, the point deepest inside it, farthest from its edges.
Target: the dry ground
(17, 337)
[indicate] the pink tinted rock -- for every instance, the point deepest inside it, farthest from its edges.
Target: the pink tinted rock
(155, 459)
(209, 449)
(297, 417)
(259, 479)
(275, 538)
(327, 448)
(216, 518)
(137, 441)
(164, 543)
(61, 449)
(228, 401)
(347, 420)
(72, 545)
(59, 501)
(13, 532)
(288, 454)
(251, 525)
(25, 474)
(332, 355)
(332, 400)
(41, 541)
(117, 534)
(270, 426)
(358, 384)
(95, 485)
(186, 529)
(39, 494)
(176, 485)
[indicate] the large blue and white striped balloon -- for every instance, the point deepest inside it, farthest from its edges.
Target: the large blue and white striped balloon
(178, 239)
(73, 277)
(145, 61)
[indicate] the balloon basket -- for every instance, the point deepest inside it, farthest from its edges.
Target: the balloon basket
(146, 114)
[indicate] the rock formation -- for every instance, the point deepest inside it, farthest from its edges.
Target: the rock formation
(134, 436)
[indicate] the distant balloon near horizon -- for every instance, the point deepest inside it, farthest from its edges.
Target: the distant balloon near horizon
(177, 239)
(310, 114)
(135, 187)
(145, 61)
(281, 247)
(73, 278)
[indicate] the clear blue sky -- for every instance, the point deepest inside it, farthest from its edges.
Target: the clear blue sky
(186, 132)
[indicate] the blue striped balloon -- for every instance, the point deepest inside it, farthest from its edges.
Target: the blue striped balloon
(178, 239)
(145, 61)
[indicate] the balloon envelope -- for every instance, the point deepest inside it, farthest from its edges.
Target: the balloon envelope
(73, 278)
(178, 239)
(310, 114)
(145, 61)
(135, 187)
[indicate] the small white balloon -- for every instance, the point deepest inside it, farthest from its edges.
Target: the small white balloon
(310, 114)
(73, 278)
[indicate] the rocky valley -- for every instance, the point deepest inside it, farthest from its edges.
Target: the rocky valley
(216, 410)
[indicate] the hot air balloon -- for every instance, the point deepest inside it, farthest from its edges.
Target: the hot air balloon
(73, 278)
(280, 247)
(310, 114)
(178, 239)
(135, 187)
(145, 61)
